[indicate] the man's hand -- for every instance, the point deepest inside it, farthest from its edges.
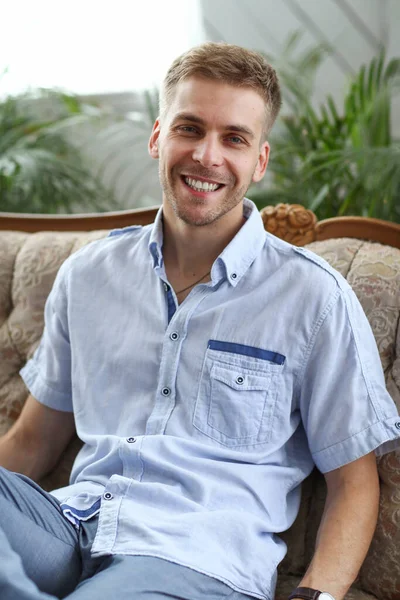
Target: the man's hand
(347, 526)
(35, 442)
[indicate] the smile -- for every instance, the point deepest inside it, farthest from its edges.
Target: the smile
(201, 186)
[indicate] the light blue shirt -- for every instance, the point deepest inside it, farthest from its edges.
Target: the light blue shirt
(199, 421)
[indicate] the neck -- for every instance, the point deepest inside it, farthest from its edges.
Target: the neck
(190, 250)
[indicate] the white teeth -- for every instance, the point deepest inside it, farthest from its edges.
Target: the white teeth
(201, 186)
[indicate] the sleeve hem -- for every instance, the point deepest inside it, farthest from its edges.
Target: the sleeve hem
(42, 391)
(381, 437)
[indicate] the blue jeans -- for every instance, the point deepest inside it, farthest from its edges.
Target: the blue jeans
(43, 556)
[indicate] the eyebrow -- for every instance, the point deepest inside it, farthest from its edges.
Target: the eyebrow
(183, 116)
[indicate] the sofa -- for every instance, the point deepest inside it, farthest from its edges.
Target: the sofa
(365, 251)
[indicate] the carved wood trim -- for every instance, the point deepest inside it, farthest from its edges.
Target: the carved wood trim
(290, 222)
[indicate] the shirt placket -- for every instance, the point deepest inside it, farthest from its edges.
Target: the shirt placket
(175, 334)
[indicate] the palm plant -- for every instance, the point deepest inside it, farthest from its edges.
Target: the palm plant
(119, 150)
(340, 161)
(41, 171)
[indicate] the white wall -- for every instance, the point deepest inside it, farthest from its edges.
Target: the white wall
(353, 28)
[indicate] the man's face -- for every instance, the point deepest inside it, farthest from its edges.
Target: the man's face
(210, 150)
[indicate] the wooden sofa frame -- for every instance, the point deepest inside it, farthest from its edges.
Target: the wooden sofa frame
(291, 222)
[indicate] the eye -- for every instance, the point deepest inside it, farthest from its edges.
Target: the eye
(186, 129)
(235, 139)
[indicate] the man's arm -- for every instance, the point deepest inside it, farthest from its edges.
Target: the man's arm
(347, 526)
(35, 442)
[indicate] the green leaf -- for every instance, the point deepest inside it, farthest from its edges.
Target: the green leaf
(331, 104)
(379, 69)
(361, 88)
(371, 78)
(392, 70)
(322, 194)
(72, 104)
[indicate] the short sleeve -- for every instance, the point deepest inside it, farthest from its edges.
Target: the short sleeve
(48, 374)
(345, 407)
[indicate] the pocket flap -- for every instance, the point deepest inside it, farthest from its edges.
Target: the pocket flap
(240, 379)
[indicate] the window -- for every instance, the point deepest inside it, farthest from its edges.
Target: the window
(90, 47)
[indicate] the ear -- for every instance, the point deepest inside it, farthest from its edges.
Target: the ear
(262, 163)
(153, 141)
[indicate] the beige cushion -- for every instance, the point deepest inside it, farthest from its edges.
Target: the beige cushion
(28, 266)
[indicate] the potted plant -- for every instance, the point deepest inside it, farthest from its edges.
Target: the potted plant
(41, 170)
(338, 160)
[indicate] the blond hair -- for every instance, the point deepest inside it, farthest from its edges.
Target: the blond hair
(230, 64)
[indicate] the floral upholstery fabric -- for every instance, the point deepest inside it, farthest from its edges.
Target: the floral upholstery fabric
(28, 266)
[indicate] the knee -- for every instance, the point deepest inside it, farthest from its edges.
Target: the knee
(8, 481)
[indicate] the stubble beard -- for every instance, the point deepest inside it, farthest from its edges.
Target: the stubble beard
(186, 215)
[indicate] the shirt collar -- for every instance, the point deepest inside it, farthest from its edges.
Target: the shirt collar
(238, 255)
(245, 246)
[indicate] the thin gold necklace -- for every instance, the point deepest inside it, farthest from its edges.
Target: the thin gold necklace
(193, 284)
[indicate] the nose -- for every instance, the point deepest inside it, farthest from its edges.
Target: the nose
(208, 152)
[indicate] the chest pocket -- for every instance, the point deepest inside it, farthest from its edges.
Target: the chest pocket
(236, 398)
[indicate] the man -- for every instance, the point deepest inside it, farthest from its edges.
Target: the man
(207, 366)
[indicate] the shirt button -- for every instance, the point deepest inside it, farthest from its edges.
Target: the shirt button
(397, 424)
(233, 276)
(166, 391)
(131, 440)
(240, 380)
(174, 336)
(166, 287)
(108, 496)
